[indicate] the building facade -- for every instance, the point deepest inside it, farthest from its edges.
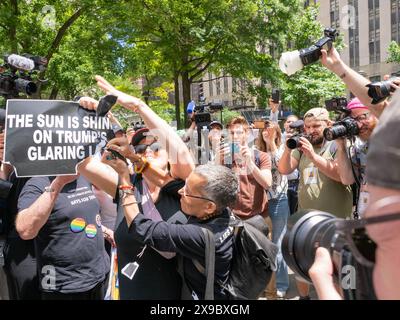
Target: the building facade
(367, 27)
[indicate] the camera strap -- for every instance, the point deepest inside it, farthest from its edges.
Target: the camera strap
(356, 215)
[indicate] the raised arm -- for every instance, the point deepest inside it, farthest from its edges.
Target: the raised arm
(354, 81)
(181, 161)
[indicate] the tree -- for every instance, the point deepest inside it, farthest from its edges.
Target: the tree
(195, 36)
(394, 52)
(72, 35)
(314, 84)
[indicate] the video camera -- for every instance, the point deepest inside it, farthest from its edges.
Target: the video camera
(293, 61)
(352, 253)
(203, 112)
(298, 128)
(16, 74)
(379, 91)
(345, 126)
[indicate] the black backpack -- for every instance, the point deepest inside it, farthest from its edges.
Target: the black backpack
(253, 261)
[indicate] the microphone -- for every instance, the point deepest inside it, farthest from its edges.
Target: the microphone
(21, 62)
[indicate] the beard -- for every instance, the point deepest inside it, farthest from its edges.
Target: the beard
(316, 140)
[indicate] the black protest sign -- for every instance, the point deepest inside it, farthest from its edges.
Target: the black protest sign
(48, 138)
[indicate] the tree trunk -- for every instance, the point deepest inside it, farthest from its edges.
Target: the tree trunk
(177, 101)
(13, 27)
(186, 93)
(54, 93)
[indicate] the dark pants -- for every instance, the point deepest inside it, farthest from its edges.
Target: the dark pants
(20, 269)
(97, 293)
(293, 186)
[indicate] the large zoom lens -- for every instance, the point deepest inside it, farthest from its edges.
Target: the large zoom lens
(306, 231)
(348, 127)
(379, 91)
(25, 86)
(335, 132)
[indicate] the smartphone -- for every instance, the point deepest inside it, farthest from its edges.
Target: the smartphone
(116, 155)
(259, 124)
(276, 95)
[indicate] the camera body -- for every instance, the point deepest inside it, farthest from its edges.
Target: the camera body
(203, 112)
(307, 230)
(379, 91)
(291, 62)
(347, 127)
(337, 105)
(16, 74)
(298, 128)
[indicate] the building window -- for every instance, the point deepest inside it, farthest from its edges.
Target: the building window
(225, 84)
(354, 36)
(374, 31)
(210, 84)
(334, 12)
(395, 20)
(218, 87)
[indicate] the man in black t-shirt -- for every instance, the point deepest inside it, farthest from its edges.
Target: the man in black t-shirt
(62, 215)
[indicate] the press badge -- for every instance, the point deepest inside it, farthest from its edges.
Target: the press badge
(130, 269)
(310, 175)
(362, 202)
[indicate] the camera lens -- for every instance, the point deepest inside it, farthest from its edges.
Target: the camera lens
(306, 231)
(25, 86)
(335, 132)
(293, 142)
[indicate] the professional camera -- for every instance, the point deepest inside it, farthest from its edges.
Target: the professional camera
(347, 127)
(352, 253)
(203, 112)
(337, 105)
(293, 61)
(16, 74)
(294, 141)
(379, 91)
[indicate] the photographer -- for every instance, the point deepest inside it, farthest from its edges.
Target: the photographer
(383, 177)
(355, 82)
(352, 170)
(320, 185)
(253, 168)
(293, 178)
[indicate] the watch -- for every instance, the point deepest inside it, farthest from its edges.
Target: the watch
(49, 189)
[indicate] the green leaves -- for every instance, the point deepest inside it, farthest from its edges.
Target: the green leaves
(394, 52)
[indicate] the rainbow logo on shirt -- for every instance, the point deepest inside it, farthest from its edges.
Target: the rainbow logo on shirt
(77, 225)
(91, 231)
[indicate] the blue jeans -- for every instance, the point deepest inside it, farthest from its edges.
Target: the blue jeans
(279, 213)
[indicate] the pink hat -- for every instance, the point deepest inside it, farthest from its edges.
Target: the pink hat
(356, 104)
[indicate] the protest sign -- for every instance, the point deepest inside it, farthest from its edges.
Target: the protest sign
(48, 138)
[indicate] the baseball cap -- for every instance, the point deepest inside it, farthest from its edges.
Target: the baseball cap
(216, 123)
(318, 114)
(356, 104)
(139, 136)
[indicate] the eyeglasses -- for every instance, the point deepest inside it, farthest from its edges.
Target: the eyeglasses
(196, 197)
(359, 242)
(362, 117)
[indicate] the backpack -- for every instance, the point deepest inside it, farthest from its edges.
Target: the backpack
(252, 264)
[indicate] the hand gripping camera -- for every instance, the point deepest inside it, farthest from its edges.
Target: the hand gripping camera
(352, 252)
(379, 91)
(294, 141)
(293, 61)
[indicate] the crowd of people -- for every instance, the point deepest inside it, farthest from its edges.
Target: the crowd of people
(149, 203)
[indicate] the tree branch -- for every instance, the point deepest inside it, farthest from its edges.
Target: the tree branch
(62, 31)
(208, 80)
